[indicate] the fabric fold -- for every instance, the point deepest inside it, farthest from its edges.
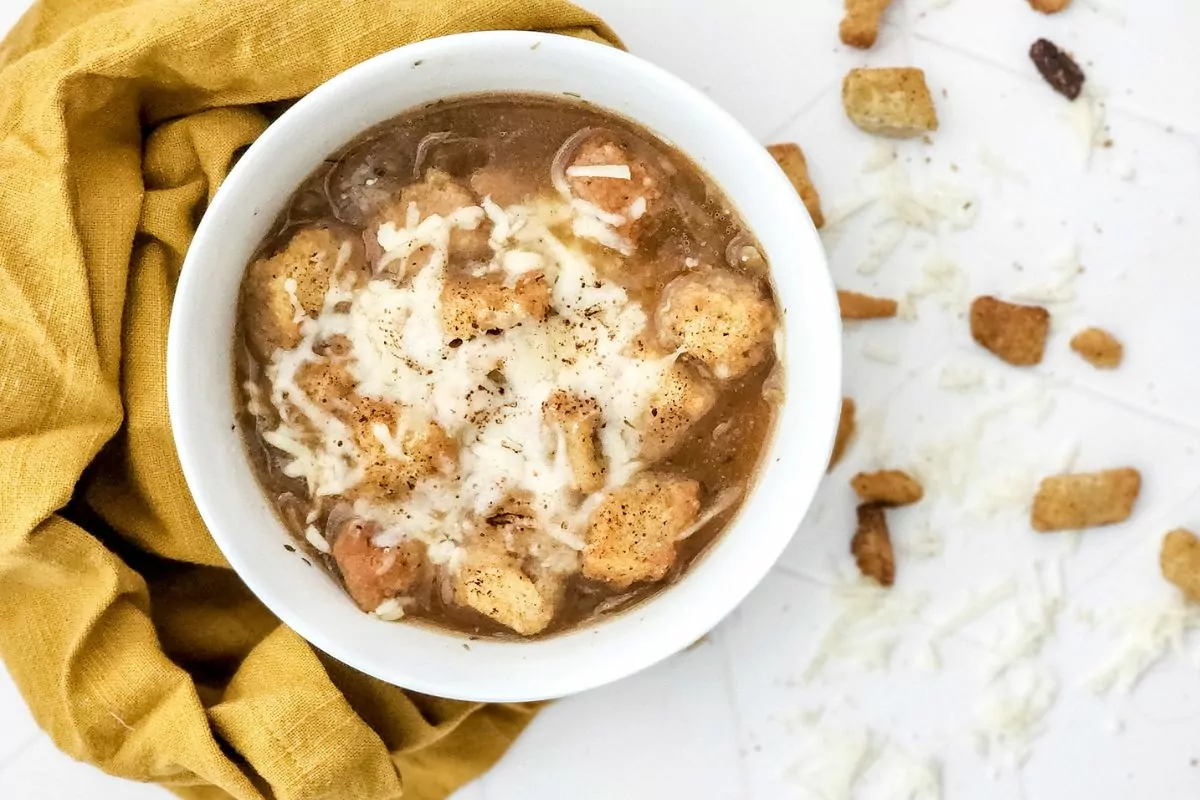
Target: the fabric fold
(135, 646)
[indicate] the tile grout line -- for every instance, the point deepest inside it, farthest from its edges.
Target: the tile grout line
(738, 726)
(20, 750)
(1111, 105)
(1126, 405)
(798, 575)
(808, 106)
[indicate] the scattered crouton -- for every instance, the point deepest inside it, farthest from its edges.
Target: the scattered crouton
(860, 26)
(790, 159)
(872, 545)
(845, 432)
(1058, 68)
(891, 101)
(1180, 561)
(854, 305)
(888, 487)
(1014, 333)
(1049, 6)
(1099, 348)
(1086, 500)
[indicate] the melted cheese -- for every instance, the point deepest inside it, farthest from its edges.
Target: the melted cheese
(400, 353)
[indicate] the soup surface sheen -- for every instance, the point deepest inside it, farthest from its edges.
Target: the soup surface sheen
(507, 363)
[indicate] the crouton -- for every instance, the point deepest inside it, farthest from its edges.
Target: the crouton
(1049, 6)
(888, 487)
(1069, 502)
(1180, 562)
(373, 574)
(872, 545)
(474, 306)
(1098, 347)
(860, 26)
(396, 451)
(1014, 333)
(328, 385)
(635, 198)
(441, 194)
(681, 400)
(790, 159)
(890, 101)
(845, 432)
(284, 288)
(577, 419)
(632, 534)
(719, 317)
(854, 305)
(498, 589)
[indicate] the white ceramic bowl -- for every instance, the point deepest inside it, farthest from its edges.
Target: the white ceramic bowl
(199, 366)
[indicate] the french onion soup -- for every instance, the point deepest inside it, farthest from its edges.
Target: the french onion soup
(507, 363)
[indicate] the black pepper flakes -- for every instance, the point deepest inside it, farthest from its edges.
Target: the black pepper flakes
(454, 343)
(1058, 68)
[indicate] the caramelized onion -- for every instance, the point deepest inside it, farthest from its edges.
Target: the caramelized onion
(438, 138)
(743, 253)
(722, 503)
(566, 151)
(365, 178)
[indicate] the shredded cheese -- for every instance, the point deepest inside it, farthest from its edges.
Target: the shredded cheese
(1147, 634)
(617, 171)
(400, 354)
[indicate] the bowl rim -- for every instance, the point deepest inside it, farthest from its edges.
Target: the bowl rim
(691, 625)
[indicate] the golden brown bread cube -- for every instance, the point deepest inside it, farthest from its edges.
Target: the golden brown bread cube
(1012, 332)
(854, 306)
(1099, 348)
(872, 545)
(1049, 6)
(475, 306)
(719, 317)
(632, 534)
(636, 198)
(681, 400)
(577, 419)
(1179, 560)
(395, 452)
(441, 194)
(889, 101)
(498, 589)
(328, 385)
(374, 574)
(292, 283)
(860, 25)
(889, 487)
(845, 432)
(790, 159)
(1085, 500)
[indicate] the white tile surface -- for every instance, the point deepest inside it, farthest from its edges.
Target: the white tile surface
(673, 736)
(43, 773)
(736, 717)
(19, 730)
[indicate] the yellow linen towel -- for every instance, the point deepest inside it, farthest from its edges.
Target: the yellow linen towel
(136, 647)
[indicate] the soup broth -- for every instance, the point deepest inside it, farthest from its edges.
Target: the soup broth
(507, 363)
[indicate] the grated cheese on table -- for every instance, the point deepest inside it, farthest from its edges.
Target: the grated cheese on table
(1064, 267)
(1148, 633)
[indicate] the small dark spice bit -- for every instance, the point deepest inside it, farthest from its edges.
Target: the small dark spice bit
(1058, 68)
